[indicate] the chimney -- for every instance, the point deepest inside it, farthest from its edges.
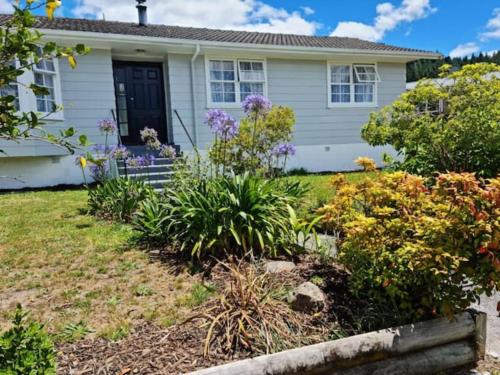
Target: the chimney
(143, 12)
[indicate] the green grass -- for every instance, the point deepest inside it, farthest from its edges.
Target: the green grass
(321, 190)
(68, 267)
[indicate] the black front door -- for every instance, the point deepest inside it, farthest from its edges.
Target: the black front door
(140, 100)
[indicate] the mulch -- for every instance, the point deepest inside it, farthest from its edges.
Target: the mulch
(151, 349)
(148, 350)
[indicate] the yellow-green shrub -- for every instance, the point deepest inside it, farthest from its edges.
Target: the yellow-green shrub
(426, 250)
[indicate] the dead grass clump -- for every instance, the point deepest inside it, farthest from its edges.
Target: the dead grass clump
(246, 318)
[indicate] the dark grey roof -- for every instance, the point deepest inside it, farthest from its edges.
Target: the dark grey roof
(212, 35)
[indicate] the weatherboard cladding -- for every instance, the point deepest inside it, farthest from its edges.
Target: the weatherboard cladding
(212, 35)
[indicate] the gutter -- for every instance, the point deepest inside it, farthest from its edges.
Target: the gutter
(193, 95)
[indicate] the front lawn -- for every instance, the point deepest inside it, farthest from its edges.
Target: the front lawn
(321, 190)
(78, 274)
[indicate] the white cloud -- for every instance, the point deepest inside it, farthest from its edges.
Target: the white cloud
(308, 10)
(491, 53)
(388, 18)
(251, 15)
(5, 6)
(493, 27)
(465, 49)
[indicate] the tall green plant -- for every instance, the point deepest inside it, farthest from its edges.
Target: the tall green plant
(450, 127)
(234, 214)
(118, 198)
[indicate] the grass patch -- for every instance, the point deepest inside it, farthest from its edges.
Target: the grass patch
(69, 268)
(321, 190)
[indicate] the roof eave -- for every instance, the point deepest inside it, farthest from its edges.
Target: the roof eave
(159, 41)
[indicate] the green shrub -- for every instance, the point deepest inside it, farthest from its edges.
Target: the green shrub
(26, 348)
(444, 128)
(118, 199)
(427, 251)
(238, 214)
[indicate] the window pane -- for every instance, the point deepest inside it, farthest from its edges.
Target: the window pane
(340, 74)
(228, 75)
(365, 74)
(363, 93)
(216, 75)
(40, 105)
(217, 87)
(252, 71)
(11, 90)
(229, 97)
(247, 88)
(39, 79)
(341, 93)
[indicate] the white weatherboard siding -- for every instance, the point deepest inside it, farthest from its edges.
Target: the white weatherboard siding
(327, 138)
(88, 96)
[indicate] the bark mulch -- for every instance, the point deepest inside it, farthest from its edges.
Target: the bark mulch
(148, 350)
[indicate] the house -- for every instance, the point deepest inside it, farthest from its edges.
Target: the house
(158, 76)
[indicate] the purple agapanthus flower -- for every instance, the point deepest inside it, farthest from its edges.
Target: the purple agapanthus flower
(119, 152)
(167, 151)
(140, 161)
(256, 104)
(107, 126)
(284, 149)
(221, 123)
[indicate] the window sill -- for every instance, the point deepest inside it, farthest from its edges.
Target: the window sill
(58, 116)
(223, 105)
(353, 105)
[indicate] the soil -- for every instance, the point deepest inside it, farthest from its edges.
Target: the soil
(150, 349)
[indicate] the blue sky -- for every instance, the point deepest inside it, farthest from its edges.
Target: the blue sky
(457, 26)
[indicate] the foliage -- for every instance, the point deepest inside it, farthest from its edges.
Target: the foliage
(261, 143)
(424, 250)
(425, 68)
(118, 198)
(26, 348)
(246, 317)
(463, 137)
(238, 214)
(20, 49)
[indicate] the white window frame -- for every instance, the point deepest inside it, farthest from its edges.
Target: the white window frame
(236, 63)
(27, 99)
(352, 103)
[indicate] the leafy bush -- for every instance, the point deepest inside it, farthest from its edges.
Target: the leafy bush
(258, 144)
(26, 348)
(426, 250)
(453, 127)
(235, 214)
(118, 198)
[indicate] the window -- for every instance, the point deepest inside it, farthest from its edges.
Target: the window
(45, 74)
(252, 78)
(352, 84)
(11, 89)
(222, 81)
(230, 81)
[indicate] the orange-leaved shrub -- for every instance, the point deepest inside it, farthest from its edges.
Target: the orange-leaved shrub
(426, 250)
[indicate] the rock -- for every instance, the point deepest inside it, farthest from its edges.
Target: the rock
(326, 245)
(279, 266)
(308, 298)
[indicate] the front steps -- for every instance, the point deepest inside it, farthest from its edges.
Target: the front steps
(156, 175)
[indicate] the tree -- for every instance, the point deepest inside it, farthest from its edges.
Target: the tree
(440, 128)
(21, 48)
